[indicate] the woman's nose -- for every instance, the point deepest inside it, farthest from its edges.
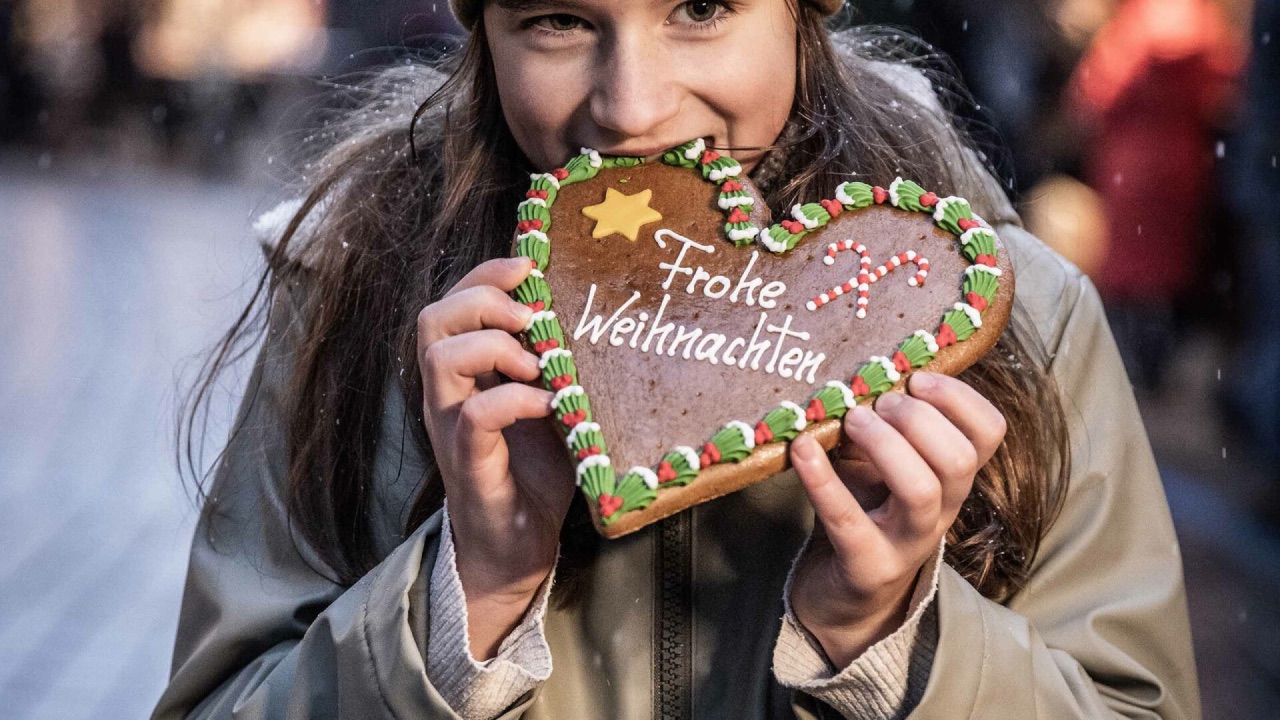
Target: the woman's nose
(635, 91)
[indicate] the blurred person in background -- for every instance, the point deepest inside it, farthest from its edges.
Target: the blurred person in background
(1253, 395)
(1157, 86)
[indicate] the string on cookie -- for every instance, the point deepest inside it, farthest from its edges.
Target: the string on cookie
(862, 281)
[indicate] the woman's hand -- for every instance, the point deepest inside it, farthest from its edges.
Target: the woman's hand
(884, 506)
(505, 471)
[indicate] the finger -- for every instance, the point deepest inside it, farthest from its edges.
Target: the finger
(503, 273)
(841, 517)
(965, 407)
(451, 367)
(915, 495)
(475, 308)
(948, 452)
(483, 416)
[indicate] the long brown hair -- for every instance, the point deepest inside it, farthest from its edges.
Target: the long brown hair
(389, 228)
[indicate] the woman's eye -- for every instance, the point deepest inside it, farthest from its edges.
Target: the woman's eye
(699, 13)
(559, 22)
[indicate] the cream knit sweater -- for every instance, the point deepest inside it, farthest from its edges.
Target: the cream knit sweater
(884, 682)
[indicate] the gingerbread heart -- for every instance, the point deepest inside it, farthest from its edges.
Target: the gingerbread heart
(687, 340)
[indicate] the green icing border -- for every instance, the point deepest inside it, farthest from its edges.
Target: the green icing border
(635, 489)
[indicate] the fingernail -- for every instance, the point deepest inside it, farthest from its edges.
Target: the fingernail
(522, 312)
(804, 448)
(889, 401)
(859, 416)
(921, 382)
(520, 262)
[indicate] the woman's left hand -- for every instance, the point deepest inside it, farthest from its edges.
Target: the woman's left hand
(883, 507)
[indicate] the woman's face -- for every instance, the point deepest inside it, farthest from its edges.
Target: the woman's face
(636, 77)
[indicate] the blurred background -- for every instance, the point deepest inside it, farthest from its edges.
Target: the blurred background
(139, 140)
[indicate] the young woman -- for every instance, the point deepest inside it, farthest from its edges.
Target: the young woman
(973, 550)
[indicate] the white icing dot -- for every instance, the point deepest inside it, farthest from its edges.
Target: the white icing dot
(548, 177)
(800, 422)
(537, 317)
(531, 201)
(691, 457)
(929, 340)
(550, 355)
(994, 271)
(890, 371)
(695, 152)
(561, 395)
(940, 211)
(535, 234)
(647, 475)
(592, 461)
(893, 191)
(973, 233)
(975, 317)
(748, 433)
(845, 392)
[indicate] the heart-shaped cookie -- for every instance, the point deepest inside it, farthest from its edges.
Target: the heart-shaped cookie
(687, 340)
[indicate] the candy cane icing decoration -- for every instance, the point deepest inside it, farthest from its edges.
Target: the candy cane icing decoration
(862, 281)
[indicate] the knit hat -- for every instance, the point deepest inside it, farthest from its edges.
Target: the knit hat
(468, 11)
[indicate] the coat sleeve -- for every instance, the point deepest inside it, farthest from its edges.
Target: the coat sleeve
(1101, 629)
(263, 633)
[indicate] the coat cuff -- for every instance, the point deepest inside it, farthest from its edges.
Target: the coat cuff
(886, 681)
(481, 690)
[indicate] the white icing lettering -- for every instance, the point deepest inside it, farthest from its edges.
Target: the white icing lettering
(623, 326)
(594, 326)
(769, 292)
(784, 332)
(742, 281)
(703, 352)
(792, 358)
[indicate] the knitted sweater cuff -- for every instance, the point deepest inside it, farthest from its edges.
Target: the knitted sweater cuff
(886, 681)
(481, 690)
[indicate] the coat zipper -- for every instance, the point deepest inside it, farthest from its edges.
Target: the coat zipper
(673, 619)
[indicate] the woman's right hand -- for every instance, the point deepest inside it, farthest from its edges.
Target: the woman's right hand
(505, 470)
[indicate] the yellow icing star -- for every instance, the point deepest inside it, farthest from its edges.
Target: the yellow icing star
(622, 214)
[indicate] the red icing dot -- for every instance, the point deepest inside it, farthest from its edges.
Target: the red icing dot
(559, 173)
(544, 345)
(731, 185)
(900, 362)
(538, 194)
(573, 418)
(710, 156)
(793, 226)
(847, 287)
(609, 504)
(833, 207)
(710, 454)
(816, 411)
(525, 226)
(737, 216)
(946, 336)
(988, 260)
(928, 199)
(536, 305)
(561, 382)
(533, 262)
(666, 473)
(763, 433)
(967, 224)
(880, 194)
(978, 302)
(859, 386)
